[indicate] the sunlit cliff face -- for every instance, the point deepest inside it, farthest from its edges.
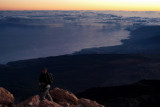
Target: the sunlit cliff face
(136, 5)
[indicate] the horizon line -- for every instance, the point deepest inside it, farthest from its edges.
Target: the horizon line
(77, 10)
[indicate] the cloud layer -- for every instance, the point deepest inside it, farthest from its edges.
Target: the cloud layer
(31, 34)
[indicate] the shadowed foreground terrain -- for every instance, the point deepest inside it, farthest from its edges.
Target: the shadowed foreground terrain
(62, 98)
(145, 93)
(77, 73)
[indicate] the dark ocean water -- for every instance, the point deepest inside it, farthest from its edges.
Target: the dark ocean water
(33, 34)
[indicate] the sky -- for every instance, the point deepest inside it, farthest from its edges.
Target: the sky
(128, 5)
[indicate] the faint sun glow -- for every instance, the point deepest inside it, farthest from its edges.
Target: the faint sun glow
(129, 5)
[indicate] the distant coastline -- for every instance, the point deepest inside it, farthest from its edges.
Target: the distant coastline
(34, 34)
(143, 40)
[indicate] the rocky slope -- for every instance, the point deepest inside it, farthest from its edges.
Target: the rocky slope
(145, 93)
(6, 98)
(62, 98)
(78, 72)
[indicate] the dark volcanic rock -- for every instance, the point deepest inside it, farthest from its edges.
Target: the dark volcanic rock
(68, 99)
(145, 93)
(88, 103)
(46, 103)
(6, 98)
(79, 72)
(63, 97)
(31, 102)
(96, 70)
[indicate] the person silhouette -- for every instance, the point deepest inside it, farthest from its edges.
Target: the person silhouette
(45, 84)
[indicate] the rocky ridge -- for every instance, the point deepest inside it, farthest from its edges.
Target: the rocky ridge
(62, 98)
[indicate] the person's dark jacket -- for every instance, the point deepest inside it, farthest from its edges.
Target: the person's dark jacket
(44, 79)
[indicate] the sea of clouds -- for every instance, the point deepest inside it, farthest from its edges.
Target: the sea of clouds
(33, 34)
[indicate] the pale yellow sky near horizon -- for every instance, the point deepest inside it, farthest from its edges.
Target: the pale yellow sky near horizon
(128, 5)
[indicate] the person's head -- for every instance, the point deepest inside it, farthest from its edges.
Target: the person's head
(44, 70)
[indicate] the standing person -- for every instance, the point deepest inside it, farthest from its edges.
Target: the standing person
(45, 81)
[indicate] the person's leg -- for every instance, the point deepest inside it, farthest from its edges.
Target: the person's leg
(49, 97)
(48, 94)
(44, 93)
(41, 93)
